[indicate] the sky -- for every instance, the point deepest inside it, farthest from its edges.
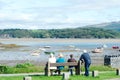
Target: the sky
(56, 14)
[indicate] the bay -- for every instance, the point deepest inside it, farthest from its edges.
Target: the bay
(65, 46)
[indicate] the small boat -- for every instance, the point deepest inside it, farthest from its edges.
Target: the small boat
(35, 54)
(71, 46)
(97, 50)
(115, 47)
(42, 49)
(47, 52)
(47, 46)
(104, 46)
(77, 49)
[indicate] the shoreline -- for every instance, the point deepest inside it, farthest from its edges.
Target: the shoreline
(61, 40)
(50, 40)
(15, 62)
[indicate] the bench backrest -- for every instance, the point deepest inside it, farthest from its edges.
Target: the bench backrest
(48, 65)
(64, 64)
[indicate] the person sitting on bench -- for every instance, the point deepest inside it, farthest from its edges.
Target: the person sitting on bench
(71, 59)
(52, 59)
(60, 60)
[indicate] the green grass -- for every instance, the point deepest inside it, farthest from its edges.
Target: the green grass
(102, 76)
(29, 68)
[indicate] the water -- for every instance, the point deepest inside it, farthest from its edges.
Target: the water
(24, 53)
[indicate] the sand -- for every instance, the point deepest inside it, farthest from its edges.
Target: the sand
(61, 40)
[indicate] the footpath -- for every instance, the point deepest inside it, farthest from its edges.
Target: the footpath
(30, 74)
(113, 79)
(22, 74)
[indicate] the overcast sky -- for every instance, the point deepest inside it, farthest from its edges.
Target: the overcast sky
(52, 14)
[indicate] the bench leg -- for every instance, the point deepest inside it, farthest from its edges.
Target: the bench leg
(51, 72)
(59, 72)
(71, 71)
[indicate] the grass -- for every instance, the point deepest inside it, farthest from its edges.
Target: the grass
(102, 76)
(29, 68)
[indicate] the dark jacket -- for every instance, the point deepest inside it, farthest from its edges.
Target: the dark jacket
(86, 58)
(71, 60)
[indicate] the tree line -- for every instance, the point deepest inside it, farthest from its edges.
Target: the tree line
(88, 32)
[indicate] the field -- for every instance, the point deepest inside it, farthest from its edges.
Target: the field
(14, 73)
(102, 76)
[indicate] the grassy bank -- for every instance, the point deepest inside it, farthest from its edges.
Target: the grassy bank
(29, 68)
(102, 76)
(106, 72)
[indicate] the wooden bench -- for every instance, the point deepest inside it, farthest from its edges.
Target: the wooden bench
(48, 65)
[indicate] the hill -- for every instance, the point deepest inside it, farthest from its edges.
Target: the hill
(110, 25)
(104, 30)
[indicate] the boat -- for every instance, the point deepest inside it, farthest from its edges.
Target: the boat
(47, 46)
(104, 46)
(71, 46)
(42, 49)
(48, 52)
(77, 49)
(115, 47)
(35, 54)
(97, 50)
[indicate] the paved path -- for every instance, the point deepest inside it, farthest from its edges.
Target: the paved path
(28, 74)
(113, 79)
(22, 74)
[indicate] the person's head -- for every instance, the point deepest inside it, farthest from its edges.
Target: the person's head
(71, 55)
(84, 51)
(60, 55)
(51, 55)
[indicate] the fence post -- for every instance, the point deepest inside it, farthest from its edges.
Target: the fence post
(94, 73)
(27, 78)
(48, 69)
(117, 71)
(66, 76)
(78, 70)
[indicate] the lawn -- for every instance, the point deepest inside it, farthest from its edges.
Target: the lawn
(102, 76)
(105, 72)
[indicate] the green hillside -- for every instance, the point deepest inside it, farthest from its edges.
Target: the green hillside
(110, 25)
(88, 32)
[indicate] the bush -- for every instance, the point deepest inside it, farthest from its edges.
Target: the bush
(24, 65)
(3, 69)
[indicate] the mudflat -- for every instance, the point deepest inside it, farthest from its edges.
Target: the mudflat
(61, 40)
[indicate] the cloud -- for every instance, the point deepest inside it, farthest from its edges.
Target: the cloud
(61, 13)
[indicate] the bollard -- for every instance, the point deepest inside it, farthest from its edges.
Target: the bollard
(27, 78)
(66, 76)
(117, 71)
(94, 73)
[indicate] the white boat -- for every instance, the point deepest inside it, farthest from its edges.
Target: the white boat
(72, 46)
(35, 54)
(47, 46)
(77, 49)
(42, 49)
(97, 50)
(104, 46)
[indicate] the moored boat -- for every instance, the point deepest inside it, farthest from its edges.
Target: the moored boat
(97, 50)
(115, 47)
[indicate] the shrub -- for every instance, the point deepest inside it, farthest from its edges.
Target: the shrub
(24, 65)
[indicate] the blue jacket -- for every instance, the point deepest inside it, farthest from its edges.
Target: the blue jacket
(86, 58)
(60, 60)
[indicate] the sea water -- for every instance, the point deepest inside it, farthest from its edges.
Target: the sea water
(67, 48)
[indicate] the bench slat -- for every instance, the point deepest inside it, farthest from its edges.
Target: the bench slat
(64, 64)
